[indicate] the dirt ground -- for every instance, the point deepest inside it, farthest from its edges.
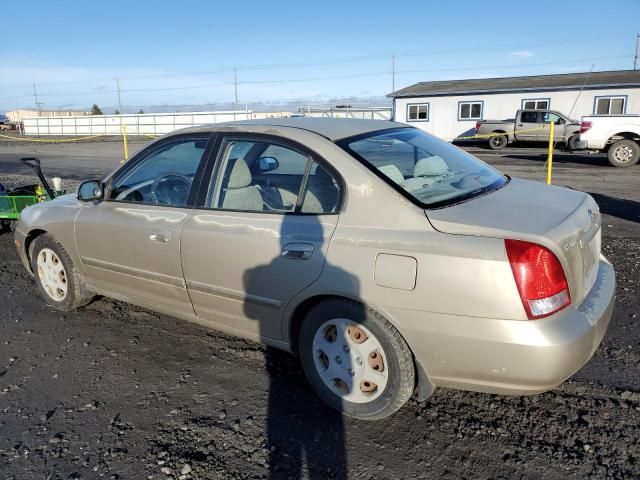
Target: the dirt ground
(114, 391)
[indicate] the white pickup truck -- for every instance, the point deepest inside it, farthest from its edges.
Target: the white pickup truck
(618, 135)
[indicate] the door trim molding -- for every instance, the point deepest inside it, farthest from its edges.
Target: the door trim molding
(233, 294)
(134, 272)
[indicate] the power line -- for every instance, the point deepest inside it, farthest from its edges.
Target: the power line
(333, 61)
(460, 69)
(335, 77)
(303, 80)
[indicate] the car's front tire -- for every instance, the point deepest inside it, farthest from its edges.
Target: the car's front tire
(57, 277)
(355, 359)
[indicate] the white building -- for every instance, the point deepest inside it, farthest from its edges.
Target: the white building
(450, 109)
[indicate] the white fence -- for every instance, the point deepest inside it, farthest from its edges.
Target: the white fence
(160, 123)
(136, 124)
(372, 113)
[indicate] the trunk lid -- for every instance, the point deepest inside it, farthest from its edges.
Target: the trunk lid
(565, 221)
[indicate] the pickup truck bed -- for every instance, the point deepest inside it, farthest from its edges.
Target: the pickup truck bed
(618, 135)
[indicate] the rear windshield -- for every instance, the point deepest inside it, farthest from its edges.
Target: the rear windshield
(430, 171)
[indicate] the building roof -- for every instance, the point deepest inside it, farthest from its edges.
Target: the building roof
(331, 128)
(565, 81)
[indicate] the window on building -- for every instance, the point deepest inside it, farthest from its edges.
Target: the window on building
(470, 110)
(610, 105)
(536, 103)
(418, 112)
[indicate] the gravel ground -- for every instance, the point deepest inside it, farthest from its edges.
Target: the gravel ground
(115, 391)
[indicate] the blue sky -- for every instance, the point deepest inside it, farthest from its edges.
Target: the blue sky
(74, 50)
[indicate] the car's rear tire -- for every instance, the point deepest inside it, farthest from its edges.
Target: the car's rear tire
(498, 142)
(624, 153)
(355, 359)
(57, 277)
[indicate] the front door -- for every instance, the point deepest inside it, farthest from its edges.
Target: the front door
(527, 128)
(129, 243)
(558, 127)
(261, 236)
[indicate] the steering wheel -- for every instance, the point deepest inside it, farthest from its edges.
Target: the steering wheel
(170, 189)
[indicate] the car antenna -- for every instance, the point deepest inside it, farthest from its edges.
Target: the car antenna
(575, 102)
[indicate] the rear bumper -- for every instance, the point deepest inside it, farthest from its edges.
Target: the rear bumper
(511, 356)
(582, 145)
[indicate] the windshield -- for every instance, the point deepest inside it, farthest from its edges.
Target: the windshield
(428, 170)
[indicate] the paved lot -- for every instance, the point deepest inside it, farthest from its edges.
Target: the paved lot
(114, 391)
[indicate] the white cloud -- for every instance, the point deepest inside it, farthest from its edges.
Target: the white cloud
(522, 54)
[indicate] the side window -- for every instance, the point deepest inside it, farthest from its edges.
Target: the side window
(548, 117)
(164, 177)
(529, 117)
(267, 177)
(322, 193)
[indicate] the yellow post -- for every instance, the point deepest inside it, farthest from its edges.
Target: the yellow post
(124, 143)
(550, 157)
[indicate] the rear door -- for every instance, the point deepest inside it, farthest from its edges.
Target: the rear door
(527, 125)
(129, 243)
(260, 233)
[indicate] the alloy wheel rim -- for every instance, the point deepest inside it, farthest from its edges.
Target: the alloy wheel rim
(52, 274)
(350, 360)
(623, 153)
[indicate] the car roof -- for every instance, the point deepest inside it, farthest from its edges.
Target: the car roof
(331, 128)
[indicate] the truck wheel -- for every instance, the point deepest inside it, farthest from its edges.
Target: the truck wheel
(498, 142)
(624, 153)
(356, 360)
(571, 143)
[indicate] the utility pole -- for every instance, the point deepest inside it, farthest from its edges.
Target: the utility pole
(119, 100)
(235, 88)
(35, 94)
(393, 72)
(635, 58)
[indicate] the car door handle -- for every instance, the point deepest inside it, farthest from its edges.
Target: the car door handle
(298, 251)
(521, 124)
(160, 236)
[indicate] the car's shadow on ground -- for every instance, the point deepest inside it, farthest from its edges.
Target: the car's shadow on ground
(574, 158)
(618, 207)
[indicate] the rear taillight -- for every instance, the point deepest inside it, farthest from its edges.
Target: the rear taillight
(584, 126)
(539, 277)
(477, 126)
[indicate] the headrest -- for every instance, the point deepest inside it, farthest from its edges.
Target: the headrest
(393, 173)
(430, 167)
(240, 176)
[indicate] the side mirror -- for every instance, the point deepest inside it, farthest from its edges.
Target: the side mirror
(267, 164)
(90, 190)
